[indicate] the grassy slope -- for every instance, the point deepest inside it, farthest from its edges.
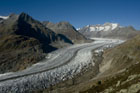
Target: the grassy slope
(110, 83)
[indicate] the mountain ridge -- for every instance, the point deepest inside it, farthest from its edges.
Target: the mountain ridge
(108, 30)
(104, 27)
(66, 29)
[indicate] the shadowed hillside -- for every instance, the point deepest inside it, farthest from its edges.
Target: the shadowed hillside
(25, 41)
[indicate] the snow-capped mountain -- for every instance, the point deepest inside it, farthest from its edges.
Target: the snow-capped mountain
(99, 27)
(108, 30)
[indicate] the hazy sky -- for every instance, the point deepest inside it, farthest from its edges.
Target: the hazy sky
(78, 12)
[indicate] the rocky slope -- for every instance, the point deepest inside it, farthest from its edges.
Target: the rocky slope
(108, 30)
(23, 42)
(66, 29)
(122, 56)
(119, 71)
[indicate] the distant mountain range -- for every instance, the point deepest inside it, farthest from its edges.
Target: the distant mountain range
(104, 27)
(108, 30)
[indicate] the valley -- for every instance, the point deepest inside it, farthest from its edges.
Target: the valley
(57, 67)
(45, 57)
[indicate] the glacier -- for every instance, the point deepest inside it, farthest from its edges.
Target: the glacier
(58, 66)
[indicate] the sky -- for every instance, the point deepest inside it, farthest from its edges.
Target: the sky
(78, 12)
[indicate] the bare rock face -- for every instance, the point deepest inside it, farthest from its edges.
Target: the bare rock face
(108, 30)
(68, 30)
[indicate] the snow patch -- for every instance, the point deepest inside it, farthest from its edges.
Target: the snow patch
(114, 26)
(92, 29)
(101, 28)
(107, 28)
(78, 28)
(88, 26)
(4, 17)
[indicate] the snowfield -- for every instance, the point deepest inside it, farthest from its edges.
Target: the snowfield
(58, 66)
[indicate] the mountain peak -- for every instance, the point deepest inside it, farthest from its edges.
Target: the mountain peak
(64, 22)
(107, 23)
(48, 23)
(25, 17)
(66, 29)
(64, 25)
(23, 14)
(12, 14)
